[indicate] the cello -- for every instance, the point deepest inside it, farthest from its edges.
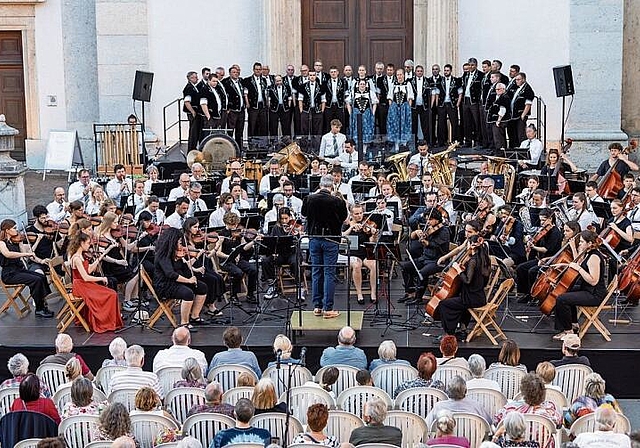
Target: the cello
(630, 278)
(543, 284)
(611, 183)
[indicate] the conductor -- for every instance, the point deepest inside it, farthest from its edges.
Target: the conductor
(325, 214)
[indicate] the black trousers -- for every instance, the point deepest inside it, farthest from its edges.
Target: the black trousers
(280, 118)
(410, 276)
(215, 285)
(195, 129)
(499, 135)
(512, 133)
(526, 274)
(257, 122)
(188, 292)
(472, 123)
(37, 283)
(381, 112)
(487, 135)
(237, 270)
(450, 111)
(311, 123)
(235, 121)
(422, 113)
(334, 112)
(453, 311)
(270, 262)
(211, 123)
(566, 311)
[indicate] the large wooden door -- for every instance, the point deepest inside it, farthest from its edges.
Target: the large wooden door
(355, 32)
(12, 99)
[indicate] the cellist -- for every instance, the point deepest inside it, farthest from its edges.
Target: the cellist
(615, 155)
(589, 290)
(474, 275)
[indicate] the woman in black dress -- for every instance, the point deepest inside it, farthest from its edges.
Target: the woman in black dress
(589, 290)
(474, 276)
(15, 270)
(174, 279)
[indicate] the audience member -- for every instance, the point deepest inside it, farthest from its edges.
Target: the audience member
(593, 398)
(18, 366)
(52, 442)
(212, 402)
(547, 372)
(449, 348)
(82, 402)
(243, 432)
(458, 402)
(532, 402)
(30, 399)
(317, 417)
(114, 422)
(512, 432)
(477, 367)
(264, 398)
(283, 343)
(232, 338)
(64, 347)
(116, 349)
(363, 378)
(133, 376)
(72, 370)
(604, 436)
(124, 442)
(175, 355)
(345, 353)
(189, 442)
(387, 352)
(445, 424)
(191, 375)
(509, 356)
(148, 402)
(570, 349)
(374, 430)
(246, 380)
(329, 378)
(427, 366)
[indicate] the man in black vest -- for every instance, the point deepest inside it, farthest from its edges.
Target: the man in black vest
(256, 101)
(449, 98)
(434, 81)
(383, 86)
(237, 105)
(472, 90)
(298, 84)
(491, 98)
(280, 101)
(499, 115)
(521, 101)
(311, 103)
(487, 137)
(212, 105)
(191, 98)
(421, 107)
(334, 91)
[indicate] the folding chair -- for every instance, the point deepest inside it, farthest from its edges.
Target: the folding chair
(485, 315)
(591, 313)
(15, 299)
(164, 306)
(70, 312)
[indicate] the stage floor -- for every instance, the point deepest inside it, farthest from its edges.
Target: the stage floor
(524, 324)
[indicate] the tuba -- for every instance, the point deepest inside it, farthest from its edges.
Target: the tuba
(440, 171)
(500, 165)
(399, 162)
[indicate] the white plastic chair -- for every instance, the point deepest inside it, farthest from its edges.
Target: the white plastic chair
(101, 444)
(353, 399)
(490, 399)
(227, 374)
(388, 377)
(180, 400)
(445, 373)
(145, 427)
(280, 377)
(570, 379)
(341, 423)
(204, 426)
(552, 395)
(28, 443)
(587, 423)
(300, 398)
(168, 445)
(246, 445)
(126, 396)
(275, 423)
(53, 375)
(103, 377)
(168, 376)
(7, 396)
(77, 430)
(419, 400)
(414, 428)
(508, 378)
(540, 429)
(377, 445)
(63, 396)
(234, 394)
(346, 378)
(468, 425)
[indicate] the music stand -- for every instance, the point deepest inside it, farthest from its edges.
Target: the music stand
(602, 210)
(405, 188)
(576, 185)
(548, 183)
(203, 217)
(314, 183)
(465, 204)
(251, 221)
(361, 186)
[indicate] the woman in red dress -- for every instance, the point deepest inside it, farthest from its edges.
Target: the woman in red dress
(102, 310)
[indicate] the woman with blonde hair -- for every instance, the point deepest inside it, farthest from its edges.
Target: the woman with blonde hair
(264, 398)
(95, 201)
(283, 344)
(72, 370)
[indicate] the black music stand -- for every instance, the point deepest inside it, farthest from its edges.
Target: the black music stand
(405, 188)
(576, 185)
(362, 186)
(465, 204)
(602, 210)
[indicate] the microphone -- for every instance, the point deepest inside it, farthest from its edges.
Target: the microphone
(278, 358)
(303, 356)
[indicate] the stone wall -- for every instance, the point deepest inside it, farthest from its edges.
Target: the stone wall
(631, 68)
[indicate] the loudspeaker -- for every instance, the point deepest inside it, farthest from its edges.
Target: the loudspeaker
(564, 80)
(142, 86)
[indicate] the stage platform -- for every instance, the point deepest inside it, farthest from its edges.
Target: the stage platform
(615, 360)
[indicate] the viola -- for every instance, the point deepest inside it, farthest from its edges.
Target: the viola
(507, 227)
(18, 238)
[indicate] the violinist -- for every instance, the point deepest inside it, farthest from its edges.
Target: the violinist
(474, 275)
(589, 290)
(390, 195)
(44, 229)
(387, 216)
(107, 206)
(138, 199)
(418, 220)
(232, 237)
(199, 260)
(271, 216)
(445, 205)
(366, 231)
(285, 226)
(484, 215)
(92, 206)
(196, 203)
(546, 242)
(114, 264)
(180, 214)
(15, 269)
(621, 225)
(628, 182)
(617, 160)
(153, 207)
(581, 213)
(434, 238)
(145, 244)
(634, 210)
(174, 279)
(225, 205)
(508, 241)
(76, 211)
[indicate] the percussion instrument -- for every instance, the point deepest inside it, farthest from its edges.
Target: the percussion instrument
(218, 148)
(291, 159)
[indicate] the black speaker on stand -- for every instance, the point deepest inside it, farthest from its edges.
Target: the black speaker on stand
(563, 78)
(142, 92)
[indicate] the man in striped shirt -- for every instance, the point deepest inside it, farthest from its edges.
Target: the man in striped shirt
(134, 376)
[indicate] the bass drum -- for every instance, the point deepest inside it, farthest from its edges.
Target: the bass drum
(219, 148)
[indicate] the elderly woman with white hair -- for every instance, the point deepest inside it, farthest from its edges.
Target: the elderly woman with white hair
(445, 424)
(64, 352)
(594, 397)
(477, 366)
(116, 349)
(18, 366)
(387, 352)
(375, 431)
(283, 344)
(512, 433)
(604, 436)
(191, 375)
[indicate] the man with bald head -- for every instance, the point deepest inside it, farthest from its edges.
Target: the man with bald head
(345, 352)
(213, 402)
(175, 355)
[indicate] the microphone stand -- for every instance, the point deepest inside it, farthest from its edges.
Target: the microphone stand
(291, 369)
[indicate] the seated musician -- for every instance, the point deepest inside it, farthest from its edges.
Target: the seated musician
(332, 142)
(363, 173)
(197, 173)
(386, 228)
(76, 211)
(340, 186)
(427, 183)
(281, 180)
(42, 247)
(417, 219)
(535, 147)
(634, 209)
(181, 190)
(347, 159)
(173, 278)
(153, 174)
(413, 174)
(239, 203)
(145, 243)
(274, 172)
(237, 180)
(590, 288)
(434, 238)
(524, 197)
(487, 187)
(240, 265)
(591, 191)
(390, 196)
(237, 170)
(484, 215)
(507, 243)
(271, 216)
(138, 199)
(108, 206)
(314, 167)
(474, 275)
(365, 232)
(445, 201)
(323, 169)
(538, 201)
(616, 155)
(94, 203)
(225, 205)
(120, 186)
(196, 203)
(294, 203)
(153, 207)
(628, 182)
(81, 189)
(581, 213)
(421, 158)
(285, 226)
(544, 244)
(199, 260)
(556, 166)
(620, 224)
(377, 189)
(181, 212)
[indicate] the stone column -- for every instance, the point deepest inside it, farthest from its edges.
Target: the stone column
(283, 34)
(595, 54)
(435, 33)
(12, 197)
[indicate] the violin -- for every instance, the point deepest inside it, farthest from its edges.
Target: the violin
(428, 231)
(212, 237)
(538, 237)
(95, 220)
(63, 227)
(19, 237)
(153, 229)
(507, 227)
(118, 232)
(294, 228)
(50, 227)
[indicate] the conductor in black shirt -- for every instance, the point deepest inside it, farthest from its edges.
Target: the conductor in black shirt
(325, 214)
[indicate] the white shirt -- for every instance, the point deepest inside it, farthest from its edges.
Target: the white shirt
(196, 206)
(602, 439)
(345, 189)
(348, 162)
(147, 186)
(327, 146)
(215, 220)
(265, 184)
(294, 203)
(76, 192)
(419, 82)
(56, 211)
(477, 383)
(175, 355)
(114, 189)
(159, 214)
(417, 159)
(177, 192)
(135, 377)
(137, 201)
(535, 149)
(175, 220)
